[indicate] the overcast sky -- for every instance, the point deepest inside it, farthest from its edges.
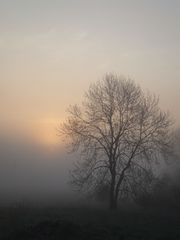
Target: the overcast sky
(51, 50)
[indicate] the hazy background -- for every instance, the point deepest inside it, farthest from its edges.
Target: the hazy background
(50, 51)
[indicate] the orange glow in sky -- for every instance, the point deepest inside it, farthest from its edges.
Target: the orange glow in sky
(45, 132)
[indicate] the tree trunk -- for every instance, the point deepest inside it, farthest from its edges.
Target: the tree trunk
(113, 203)
(112, 196)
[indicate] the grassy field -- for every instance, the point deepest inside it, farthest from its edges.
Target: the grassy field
(89, 223)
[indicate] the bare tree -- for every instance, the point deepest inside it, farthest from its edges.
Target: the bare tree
(119, 131)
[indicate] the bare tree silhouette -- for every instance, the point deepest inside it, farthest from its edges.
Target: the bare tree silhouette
(120, 131)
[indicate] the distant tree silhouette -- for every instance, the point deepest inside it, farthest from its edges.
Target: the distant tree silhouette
(120, 131)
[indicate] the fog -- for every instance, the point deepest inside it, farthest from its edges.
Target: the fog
(31, 172)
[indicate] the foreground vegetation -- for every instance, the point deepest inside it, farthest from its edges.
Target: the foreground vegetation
(89, 223)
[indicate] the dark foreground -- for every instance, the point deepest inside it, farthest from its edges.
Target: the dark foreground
(89, 223)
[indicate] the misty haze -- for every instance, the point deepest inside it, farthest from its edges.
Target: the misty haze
(90, 120)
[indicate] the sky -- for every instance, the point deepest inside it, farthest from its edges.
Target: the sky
(51, 50)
